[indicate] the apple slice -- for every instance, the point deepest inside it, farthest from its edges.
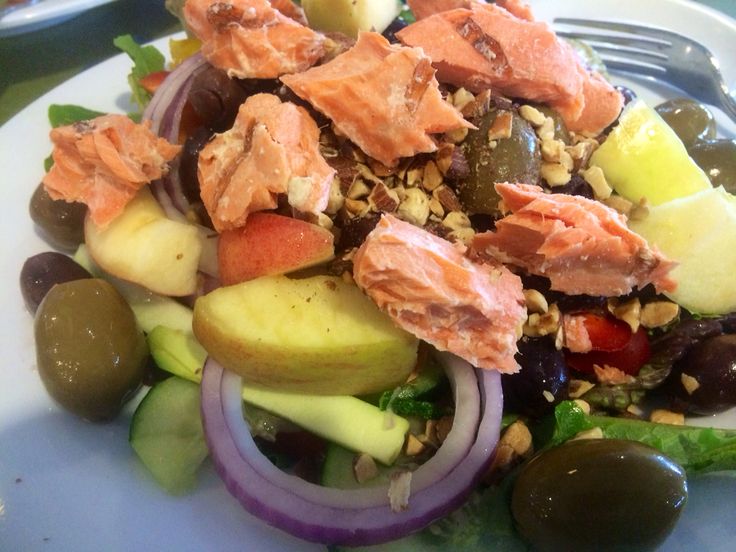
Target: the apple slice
(350, 16)
(643, 157)
(145, 247)
(317, 335)
(699, 232)
(269, 245)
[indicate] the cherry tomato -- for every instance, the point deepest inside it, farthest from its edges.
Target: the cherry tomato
(606, 333)
(629, 359)
(152, 81)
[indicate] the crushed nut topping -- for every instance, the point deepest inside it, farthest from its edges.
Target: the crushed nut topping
(584, 405)
(532, 115)
(661, 416)
(535, 301)
(540, 324)
(414, 207)
(399, 490)
(555, 174)
(656, 314)
(414, 446)
(578, 388)
(594, 176)
(514, 446)
(689, 383)
(592, 433)
(628, 312)
(364, 468)
(610, 375)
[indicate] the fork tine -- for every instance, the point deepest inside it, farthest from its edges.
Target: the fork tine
(636, 42)
(634, 67)
(640, 30)
(634, 54)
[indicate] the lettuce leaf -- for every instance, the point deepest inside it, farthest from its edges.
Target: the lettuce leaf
(697, 449)
(146, 60)
(67, 114)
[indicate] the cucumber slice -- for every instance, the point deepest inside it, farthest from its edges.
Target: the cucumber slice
(337, 470)
(166, 433)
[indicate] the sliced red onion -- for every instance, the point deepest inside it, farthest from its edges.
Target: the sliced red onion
(353, 517)
(165, 112)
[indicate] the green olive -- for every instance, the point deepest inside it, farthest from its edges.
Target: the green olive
(598, 494)
(90, 352)
(718, 159)
(561, 132)
(513, 159)
(690, 120)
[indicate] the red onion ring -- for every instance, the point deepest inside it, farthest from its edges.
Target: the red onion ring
(352, 517)
(165, 112)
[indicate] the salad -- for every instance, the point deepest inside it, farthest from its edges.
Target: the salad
(605, 327)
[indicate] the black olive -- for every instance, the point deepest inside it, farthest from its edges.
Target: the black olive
(396, 25)
(41, 272)
(704, 381)
(542, 381)
(604, 495)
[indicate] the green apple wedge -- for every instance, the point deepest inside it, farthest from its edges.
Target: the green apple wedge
(350, 16)
(317, 335)
(642, 157)
(145, 247)
(699, 233)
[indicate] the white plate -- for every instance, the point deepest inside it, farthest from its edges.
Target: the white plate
(67, 485)
(44, 14)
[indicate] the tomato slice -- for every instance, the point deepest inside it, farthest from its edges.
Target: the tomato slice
(629, 358)
(606, 333)
(152, 81)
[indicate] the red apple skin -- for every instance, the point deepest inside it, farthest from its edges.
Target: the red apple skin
(269, 245)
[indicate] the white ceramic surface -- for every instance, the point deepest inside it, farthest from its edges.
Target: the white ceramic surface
(44, 14)
(67, 485)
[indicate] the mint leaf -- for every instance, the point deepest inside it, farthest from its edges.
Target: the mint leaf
(146, 60)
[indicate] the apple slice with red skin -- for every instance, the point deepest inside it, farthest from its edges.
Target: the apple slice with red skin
(271, 244)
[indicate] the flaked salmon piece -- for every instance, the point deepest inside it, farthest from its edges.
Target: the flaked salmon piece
(251, 39)
(425, 8)
(577, 339)
(581, 245)
(272, 148)
(486, 46)
(383, 97)
(290, 10)
(429, 288)
(103, 162)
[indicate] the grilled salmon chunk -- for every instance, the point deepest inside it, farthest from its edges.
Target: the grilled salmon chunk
(103, 163)
(581, 245)
(429, 288)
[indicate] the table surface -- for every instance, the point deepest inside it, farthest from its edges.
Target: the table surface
(35, 62)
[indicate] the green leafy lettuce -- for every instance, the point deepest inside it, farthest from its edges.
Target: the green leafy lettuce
(146, 60)
(697, 449)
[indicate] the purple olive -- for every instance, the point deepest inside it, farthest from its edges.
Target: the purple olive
(43, 271)
(704, 381)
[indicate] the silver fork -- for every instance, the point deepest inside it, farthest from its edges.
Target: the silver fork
(657, 53)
